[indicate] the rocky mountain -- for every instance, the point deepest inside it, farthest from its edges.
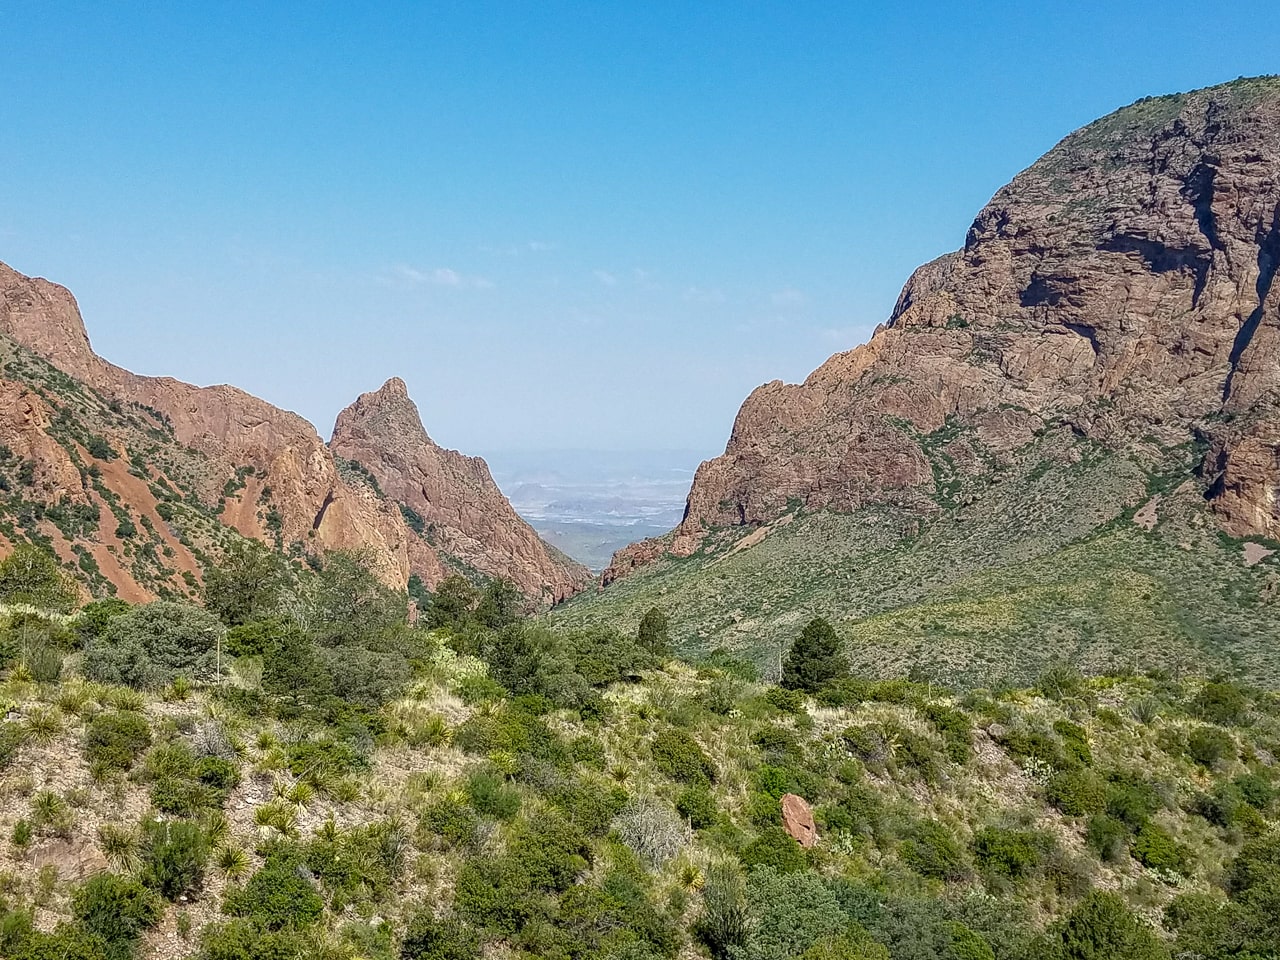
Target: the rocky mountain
(249, 466)
(1116, 302)
(450, 499)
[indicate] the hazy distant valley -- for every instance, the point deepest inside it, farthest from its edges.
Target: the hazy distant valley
(589, 503)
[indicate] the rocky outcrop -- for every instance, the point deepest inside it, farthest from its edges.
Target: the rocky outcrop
(1123, 285)
(797, 820)
(295, 494)
(462, 512)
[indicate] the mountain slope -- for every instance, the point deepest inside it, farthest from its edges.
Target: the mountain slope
(1114, 304)
(258, 470)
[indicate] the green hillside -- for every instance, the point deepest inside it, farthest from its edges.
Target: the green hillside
(1047, 560)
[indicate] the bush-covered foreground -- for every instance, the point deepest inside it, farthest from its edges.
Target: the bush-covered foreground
(298, 771)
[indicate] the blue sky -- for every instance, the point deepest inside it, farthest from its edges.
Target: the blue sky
(565, 225)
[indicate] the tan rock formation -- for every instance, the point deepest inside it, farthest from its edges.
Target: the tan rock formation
(1123, 285)
(465, 514)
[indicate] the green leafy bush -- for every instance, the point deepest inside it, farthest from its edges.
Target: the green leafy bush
(174, 856)
(696, 804)
(1010, 854)
(1153, 847)
(1077, 792)
(115, 740)
(1101, 927)
(1220, 702)
(277, 897)
(776, 849)
(931, 851)
(31, 575)
(790, 912)
(1210, 746)
(152, 645)
(116, 909)
(429, 938)
(677, 755)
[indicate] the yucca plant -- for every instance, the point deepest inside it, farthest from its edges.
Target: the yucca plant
(44, 724)
(74, 698)
(123, 698)
(276, 819)
(691, 877)
(215, 825)
(329, 831)
(232, 862)
(119, 844)
(179, 690)
(51, 816)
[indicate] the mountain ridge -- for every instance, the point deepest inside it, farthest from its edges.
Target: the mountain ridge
(287, 485)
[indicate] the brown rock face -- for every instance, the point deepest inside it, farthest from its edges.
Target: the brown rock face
(295, 479)
(1123, 285)
(797, 820)
(465, 515)
(233, 428)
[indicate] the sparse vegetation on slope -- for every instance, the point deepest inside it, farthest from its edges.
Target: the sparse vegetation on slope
(355, 786)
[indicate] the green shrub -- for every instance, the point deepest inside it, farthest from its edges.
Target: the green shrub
(955, 727)
(1011, 854)
(553, 851)
(654, 633)
(931, 851)
(1256, 865)
(1077, 793)
(429, 938)
(1131, 799)
(1256, 790)
(1101, 927)
(150, 646)
(697, 806)
(31, 575)
(787, 701)
(491, 796)
(790, 912)
(174, 857)
(451, 821)
(1220, 702)
(1153, 847)
(814, 659)
(1210, 746)
(242, 940)
(117, 909)
(776, 849)
(677, 755)
(115, 740)
(277, 897)
(1075, 743)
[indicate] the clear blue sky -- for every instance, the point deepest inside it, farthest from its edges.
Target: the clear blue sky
(591, 225)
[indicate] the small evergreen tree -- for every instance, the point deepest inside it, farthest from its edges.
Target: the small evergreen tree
(815, 658)
(1101, 927)
(654, 633)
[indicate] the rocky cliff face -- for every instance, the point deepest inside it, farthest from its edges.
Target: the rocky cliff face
(276, 479)
(462, 512)
(1124, 285)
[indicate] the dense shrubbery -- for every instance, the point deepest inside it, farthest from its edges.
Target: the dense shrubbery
(150, 646)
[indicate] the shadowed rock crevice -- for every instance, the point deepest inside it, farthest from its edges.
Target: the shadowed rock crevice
(1268, 262)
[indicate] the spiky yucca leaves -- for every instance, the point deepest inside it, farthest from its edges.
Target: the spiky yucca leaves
(119, 844)
(231, 861)
(44, 724)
